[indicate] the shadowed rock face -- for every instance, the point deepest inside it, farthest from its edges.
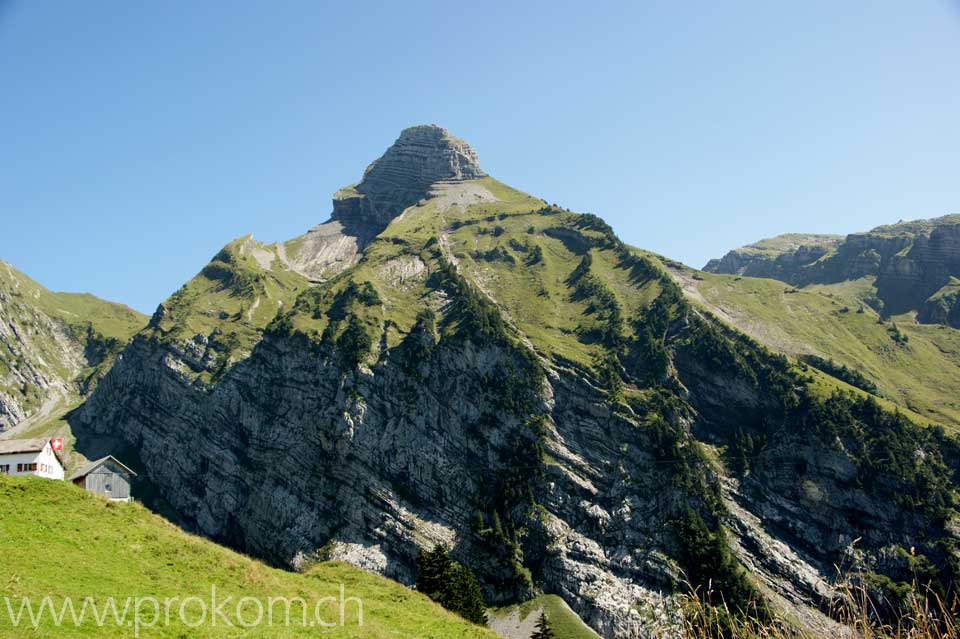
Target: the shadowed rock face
(911, 261)
(421, 157)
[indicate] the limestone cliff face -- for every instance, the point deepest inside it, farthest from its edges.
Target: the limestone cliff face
(422, 157)
(470, 378)
(293, 459)
(910, 261)
(943, 307)
(776, 258)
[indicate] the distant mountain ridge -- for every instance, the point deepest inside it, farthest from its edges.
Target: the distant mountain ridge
(913, 266)
(53, 346)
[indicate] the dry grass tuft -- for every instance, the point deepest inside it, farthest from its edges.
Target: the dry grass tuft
(925, 616)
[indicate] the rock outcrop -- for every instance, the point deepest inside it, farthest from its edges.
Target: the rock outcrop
(421, 158)
(777, 257)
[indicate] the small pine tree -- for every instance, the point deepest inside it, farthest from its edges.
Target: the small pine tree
(544, 631)
(436, 573)
(354, 343)
(451, 585)
(468, 600)
(497, 527)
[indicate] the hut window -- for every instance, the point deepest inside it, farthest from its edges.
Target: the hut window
(108, 488)
(5, 469)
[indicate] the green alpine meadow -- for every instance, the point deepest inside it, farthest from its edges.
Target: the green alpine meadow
(99, 556)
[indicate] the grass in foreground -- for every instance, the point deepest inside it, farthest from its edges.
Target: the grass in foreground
(57, 540)
(926, 616)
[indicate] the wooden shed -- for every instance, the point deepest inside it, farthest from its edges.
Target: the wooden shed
(106, 477)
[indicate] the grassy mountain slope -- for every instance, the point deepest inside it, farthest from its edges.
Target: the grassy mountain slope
(219, 315)
(921, 374)
(57, 540)
(223, 309)
(109, 319)
(53, 346)
(520, 253)
(566, 288)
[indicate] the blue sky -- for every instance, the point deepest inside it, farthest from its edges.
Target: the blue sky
(136, 139)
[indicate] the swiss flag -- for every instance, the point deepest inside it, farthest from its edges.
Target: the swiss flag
(57, 444)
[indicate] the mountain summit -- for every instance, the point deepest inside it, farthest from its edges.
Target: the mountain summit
(451, 361)
(421, 158)
(422, 155)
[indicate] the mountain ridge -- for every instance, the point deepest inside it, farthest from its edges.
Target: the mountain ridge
(507, 378)
(914, 266)
(53, 346)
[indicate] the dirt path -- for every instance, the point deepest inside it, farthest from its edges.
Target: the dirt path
(253, 308)
(513, 626)
(52, 405)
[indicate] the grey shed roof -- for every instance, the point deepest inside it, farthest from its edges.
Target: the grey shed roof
(13, 446)
(92, 466)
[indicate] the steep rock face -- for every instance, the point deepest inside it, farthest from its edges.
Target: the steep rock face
(910, 262)
(508, 379)
(422, 157)
(293, 459)
(776, 257)
(943, 307)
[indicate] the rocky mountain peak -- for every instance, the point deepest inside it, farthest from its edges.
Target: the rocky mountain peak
(421, 157)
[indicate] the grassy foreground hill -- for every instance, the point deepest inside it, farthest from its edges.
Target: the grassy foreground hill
(58, 541)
